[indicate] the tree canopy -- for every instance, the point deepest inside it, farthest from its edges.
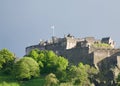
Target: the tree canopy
(48, 61)
(81, 74)
(6, 60)
(56, 68)
(26, 68)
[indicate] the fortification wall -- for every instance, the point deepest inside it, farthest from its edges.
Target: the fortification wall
(57, 48)
(77, 55)
(118, 62)
(99, 55)
(68, 48)
(74, 55)
(71, 43)
(28, 49)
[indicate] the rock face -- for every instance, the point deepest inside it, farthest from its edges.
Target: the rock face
(98, 53)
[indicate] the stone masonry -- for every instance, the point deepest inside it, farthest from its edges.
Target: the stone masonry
(81, 50)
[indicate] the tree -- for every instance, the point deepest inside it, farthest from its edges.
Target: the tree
(26, 68)
(48, 61)
(78, 75)
(6, 60)
(34, 54)
(62, 63)
(51, 80)
(81, 74)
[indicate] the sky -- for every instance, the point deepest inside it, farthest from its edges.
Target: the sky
(25, 22)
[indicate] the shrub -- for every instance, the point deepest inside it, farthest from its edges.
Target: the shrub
(26, 68)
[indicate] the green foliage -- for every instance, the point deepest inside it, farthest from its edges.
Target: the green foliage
(34, 54)
(9, 80)
(118, 80)
(51, 80)
(101, 45)
(61, 75)
(6, 60)
(26, 68)
(9, 84)
(62, 63)
(67, 84)
(81, 74)
(48, 61)
(34, 82)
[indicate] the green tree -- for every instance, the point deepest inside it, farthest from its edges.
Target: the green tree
(48, 61)
(34, 54)
(81, 75)
(26, 68)
(51, 80)
(62, 63)
(61, 75)
(6, 60)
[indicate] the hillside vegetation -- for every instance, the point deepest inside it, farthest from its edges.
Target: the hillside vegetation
(44, 68)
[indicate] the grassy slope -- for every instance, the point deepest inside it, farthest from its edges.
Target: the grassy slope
(6, 80)
(34, 82)
(10, 81)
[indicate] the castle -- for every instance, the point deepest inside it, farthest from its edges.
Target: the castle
(87, 50)
(101, 54)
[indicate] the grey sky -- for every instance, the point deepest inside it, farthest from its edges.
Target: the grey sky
(25, 22)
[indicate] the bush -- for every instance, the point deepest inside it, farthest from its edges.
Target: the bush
(51, 80)
(26, 68)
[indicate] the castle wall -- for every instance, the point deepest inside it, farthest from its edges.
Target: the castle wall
(87, 55)
(77, 50)
(71, 43)
(78, 54)
(118, 62)
(57, 48)
(99, 55)
(74, 55)
(28, 49)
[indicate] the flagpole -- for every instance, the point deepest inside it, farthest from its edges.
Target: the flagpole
(53, 28)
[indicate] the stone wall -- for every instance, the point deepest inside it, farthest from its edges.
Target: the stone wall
(71, 43)
(118, 62)
(28, 49)
(57, 48)
(105, 55)
(78, 54)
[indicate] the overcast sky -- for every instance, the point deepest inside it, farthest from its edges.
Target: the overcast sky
(26, 22)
